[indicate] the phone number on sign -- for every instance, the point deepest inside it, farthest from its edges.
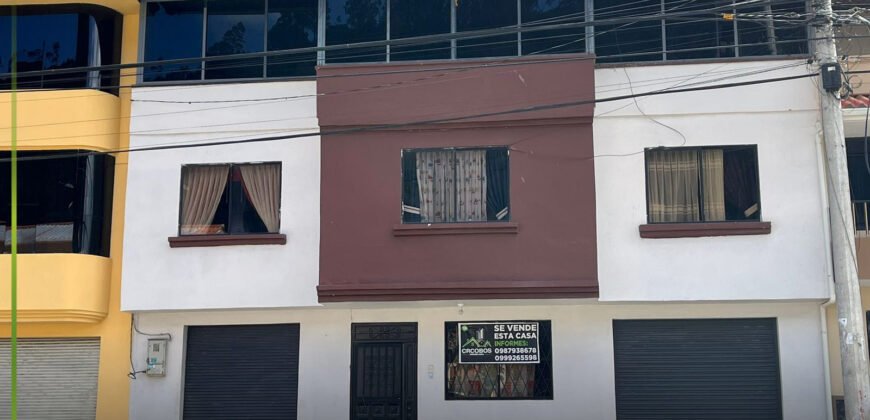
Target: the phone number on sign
(514, 350)
(517, 358)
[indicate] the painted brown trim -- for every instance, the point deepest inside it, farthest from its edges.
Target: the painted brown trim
(424, 229)
(697, 230)
(473, 290)
(225, 240)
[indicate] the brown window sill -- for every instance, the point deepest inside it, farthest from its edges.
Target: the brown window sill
(697, 230)
(424, 229)
(225, 240)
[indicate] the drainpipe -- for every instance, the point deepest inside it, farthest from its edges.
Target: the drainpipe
(829, 274)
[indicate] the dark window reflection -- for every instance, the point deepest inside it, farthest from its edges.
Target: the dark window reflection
(548, 12)
(64, 203)
(486, 14)
(410, 18)
(352, 21)
(703, 36)
(5, 50)
(58, 37)
(292, 24)
(234, 27)
(173, 29)
(628, 42)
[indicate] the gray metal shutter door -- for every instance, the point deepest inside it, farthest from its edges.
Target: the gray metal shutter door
(697, 369)
(241, 372)
(57, 378)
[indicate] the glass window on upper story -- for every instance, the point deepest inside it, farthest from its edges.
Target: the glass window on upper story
(230, 199)
(689, 34)
(64, 202)
(61, 37)
(192, 29)
(708, 184)
(455, 185)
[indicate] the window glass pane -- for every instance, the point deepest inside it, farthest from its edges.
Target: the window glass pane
(5, 50)
(61, 204)
(51, 42)
(791, 31)
(628, 42)
(707, 36)
(673, 185)
(234, 27)
(752, 34)
(410, 188)
(741, 183)
(410, 18)
(173, 29)
(549, 12)
(486, 14)
(204, 199)
(258, 199)
(353, 21)
(292, 24)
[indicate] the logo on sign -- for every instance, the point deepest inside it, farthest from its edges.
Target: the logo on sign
(477, 344)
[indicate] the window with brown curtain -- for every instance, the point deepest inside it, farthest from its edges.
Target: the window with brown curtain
(707, 184)
(230, 199)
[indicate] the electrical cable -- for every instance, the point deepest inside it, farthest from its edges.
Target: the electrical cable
(418, 123)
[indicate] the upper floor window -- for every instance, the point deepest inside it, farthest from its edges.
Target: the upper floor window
(230, 199)
(61, 37)
(179, 29)
(709, 184)
(455, 185)
(64, 203)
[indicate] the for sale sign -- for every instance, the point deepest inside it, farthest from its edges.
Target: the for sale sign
(509, 342)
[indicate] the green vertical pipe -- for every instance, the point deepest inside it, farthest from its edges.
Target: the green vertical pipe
(14, 225)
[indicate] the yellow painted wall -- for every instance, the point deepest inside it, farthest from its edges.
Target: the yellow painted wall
(110, 131)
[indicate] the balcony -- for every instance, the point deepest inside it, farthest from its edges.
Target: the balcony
(64, 221)
(70, 288)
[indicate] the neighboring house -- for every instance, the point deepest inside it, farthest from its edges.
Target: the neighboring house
(74, 342)
(665, 256)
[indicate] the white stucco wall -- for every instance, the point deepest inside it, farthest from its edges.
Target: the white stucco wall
(158, 277)
(582, 356)
(781, 118)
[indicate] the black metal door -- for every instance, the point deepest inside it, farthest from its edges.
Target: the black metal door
(384, 372)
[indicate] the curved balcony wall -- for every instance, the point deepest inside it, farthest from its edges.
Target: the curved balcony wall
(57, 288)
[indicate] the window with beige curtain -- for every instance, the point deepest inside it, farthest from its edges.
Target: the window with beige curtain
(230, 199)
(710, 184)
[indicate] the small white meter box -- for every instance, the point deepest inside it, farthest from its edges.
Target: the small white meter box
(156, 363)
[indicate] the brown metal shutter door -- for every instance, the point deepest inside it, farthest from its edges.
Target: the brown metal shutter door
(57, 378)
(241, 372)
(697, 369)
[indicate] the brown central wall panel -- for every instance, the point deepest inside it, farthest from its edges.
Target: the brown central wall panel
(548, 249)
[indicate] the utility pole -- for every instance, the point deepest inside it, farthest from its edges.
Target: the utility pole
(850, 316)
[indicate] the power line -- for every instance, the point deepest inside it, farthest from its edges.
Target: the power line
(419, 122)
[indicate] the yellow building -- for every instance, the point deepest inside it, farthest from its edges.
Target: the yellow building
(74, 353)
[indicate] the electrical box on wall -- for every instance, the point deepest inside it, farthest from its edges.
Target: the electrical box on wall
(156, 362)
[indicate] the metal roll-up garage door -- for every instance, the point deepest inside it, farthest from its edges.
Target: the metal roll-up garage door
(241, 372)
(57, 378)
(697, 369)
